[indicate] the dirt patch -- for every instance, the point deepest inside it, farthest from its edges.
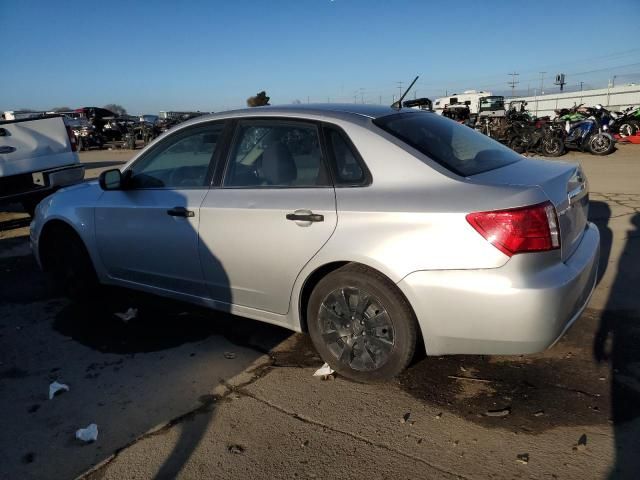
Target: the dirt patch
(563, 386)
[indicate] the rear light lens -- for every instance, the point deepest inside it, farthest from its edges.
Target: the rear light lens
(72, 139)
(519, 230)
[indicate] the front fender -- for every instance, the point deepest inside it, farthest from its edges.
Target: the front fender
(74, 206)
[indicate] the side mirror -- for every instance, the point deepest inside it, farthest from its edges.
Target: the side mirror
(111, 180)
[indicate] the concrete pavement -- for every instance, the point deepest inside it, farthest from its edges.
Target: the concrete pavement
(169, 403)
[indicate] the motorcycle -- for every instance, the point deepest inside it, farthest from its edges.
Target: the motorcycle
(627, 122)
(524, 137)
(587, 134)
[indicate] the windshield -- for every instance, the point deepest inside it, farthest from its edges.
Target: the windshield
(456, 147)
(492, 103)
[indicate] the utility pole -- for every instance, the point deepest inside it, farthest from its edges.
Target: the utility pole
(528, 89)
(399, 88)
(362, 95)
(581, 85)
(542, 83)
(380, 99)
(513, 83)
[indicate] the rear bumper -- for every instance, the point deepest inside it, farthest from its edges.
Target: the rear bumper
(39, 184)
(516, 309)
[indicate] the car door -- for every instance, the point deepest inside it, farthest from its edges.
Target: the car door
(273, 210)
(147, 233)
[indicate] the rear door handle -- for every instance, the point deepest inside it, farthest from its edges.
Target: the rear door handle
(305, 217)
(180, 212)
(7, 149)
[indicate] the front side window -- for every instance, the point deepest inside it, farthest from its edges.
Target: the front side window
(456, 147)
(180, 161)
(273, 154)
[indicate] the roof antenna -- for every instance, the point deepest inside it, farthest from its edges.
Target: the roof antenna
(398, 104)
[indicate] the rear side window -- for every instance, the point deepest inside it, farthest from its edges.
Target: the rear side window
(347, 165)
(456, 147)
(274, 154)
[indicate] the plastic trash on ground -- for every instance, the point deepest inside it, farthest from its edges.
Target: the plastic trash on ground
(324, 371)
(56, 387)
(130, 314)
(89, 434)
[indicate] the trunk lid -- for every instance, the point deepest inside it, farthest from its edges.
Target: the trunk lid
(564, 184)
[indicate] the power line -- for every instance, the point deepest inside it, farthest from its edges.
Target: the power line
(542, 82)
(513, 83)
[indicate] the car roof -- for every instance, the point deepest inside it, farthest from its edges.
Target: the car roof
(330, 110)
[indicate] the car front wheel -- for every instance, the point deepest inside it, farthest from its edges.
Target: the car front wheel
(361, 324)
(70, 265)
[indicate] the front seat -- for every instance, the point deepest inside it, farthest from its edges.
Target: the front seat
(278, 166)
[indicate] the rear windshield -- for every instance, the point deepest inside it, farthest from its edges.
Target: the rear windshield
(456, 147)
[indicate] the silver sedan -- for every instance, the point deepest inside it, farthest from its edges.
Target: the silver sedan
(367, 227)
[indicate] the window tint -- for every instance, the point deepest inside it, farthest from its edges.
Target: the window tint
(276, 154)
(348, 169)
(181, 161)
(456, 147)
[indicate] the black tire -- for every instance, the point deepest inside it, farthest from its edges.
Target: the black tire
(600, 144)
(70, 266)
(628, 129)
(379, 339)
(516, 144)
(552, 147)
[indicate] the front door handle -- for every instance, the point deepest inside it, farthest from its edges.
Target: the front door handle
(305, 217)
(180, 212)
(7, 149)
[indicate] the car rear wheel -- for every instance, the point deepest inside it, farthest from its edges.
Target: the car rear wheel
(70, 265)
(361, 324)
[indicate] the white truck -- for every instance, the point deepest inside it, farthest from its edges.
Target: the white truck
(37, 157)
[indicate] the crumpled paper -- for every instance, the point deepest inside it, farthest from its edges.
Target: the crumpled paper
(89, 434)
(324, 371)
(56, 387)
(130, 314)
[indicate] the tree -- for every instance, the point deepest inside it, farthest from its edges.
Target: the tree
(259, 100)
(115, 108)
(296, 102)
(61, 109)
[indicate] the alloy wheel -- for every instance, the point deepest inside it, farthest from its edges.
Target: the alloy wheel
(356, 328)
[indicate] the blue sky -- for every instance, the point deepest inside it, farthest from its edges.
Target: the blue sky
(212, 55)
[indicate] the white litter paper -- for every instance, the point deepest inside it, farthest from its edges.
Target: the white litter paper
(324, 371)
(56, 387)
(130, 314)
(89, 434)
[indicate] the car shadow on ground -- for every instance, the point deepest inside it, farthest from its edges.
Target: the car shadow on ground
(158, 368)
(617, 343)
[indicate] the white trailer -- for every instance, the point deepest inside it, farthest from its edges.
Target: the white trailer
(471, 98)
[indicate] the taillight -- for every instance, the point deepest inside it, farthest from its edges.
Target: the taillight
(72, 139)
(519, 230)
